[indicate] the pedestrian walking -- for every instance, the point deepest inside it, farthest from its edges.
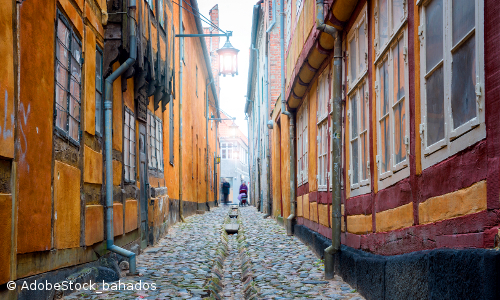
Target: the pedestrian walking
(225, 190)
(243, 193)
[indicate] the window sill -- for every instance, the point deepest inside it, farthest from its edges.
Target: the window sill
(365, 189)
(394, 178)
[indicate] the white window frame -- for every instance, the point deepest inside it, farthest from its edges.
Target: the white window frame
(298, 7)
(398, 171)
(302, 143)
(393, 31)
(474, 130)
(355, 85)
(363, 185)
(323, 93)
(322, 155)
(361, 23)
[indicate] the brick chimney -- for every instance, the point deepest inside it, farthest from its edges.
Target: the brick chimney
(213, 43)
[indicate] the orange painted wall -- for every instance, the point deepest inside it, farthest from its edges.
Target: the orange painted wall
(6, 81)
(35, 125)
(285, 165)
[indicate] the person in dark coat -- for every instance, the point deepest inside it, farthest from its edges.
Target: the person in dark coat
(225, 190)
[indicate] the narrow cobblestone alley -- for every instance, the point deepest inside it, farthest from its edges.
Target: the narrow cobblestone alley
(182, 263)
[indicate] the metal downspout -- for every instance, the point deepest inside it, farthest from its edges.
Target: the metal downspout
(181, 63)
(108, 110)
(336, 139)
(289, 224)
(206, 137)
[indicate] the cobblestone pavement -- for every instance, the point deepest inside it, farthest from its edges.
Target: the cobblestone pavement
(181, 264)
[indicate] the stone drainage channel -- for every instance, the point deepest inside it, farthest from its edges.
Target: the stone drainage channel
(231, 276)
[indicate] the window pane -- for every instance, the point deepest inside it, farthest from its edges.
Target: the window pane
(74, 124)
(223, 153)
(62, 54)
(434, 33)
(463, 18)
(355, 162)
(363, 105)
(399, 132)
(73, 129)
(362, 47)
(435, 107)
(63, 33)
(364, 157)
(397, 13)
(354, 118)
(98, 71)
(74, 88)
(463, 95)
(384, 90)
(98, 112)
(352, 59)
(383, 25)
(384, 155)
(398, 65)
(61, 106)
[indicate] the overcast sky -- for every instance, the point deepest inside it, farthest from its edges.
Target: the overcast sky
(235, 16)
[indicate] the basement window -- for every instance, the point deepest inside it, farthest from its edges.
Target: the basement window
(69, 62)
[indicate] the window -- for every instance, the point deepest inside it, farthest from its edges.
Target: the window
(323, 95)
(452, 70)
(302, 143)
(288, 14)
(298, 7)
(129, 146)
(358, 114)
(322, 155)
(393, 123)
(155, 137)
(68, 80)
(358, 164)
(390, 17)
(171, 130)
(391, 86)
(227, 150)
(98, 91)
(357, 41)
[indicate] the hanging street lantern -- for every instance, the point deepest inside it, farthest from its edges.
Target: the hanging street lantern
(228, 58)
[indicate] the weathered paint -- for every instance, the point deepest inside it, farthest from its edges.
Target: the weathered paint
(324, 214)
(73, 16)
(5, 236)
(455, 204)
(89, 73)
(312, 131)
(306, 206)
(299, 207)
(34, 121)
(395, 218)
(359, 224)
(92, 161)
(313, 211)
(117, 219)
(117, 173)
(7, 112)
(131, 215)
(94, 224)
(66, 206)
(117, 112)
